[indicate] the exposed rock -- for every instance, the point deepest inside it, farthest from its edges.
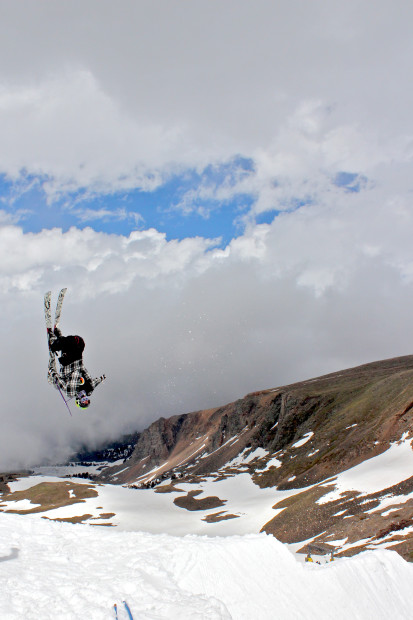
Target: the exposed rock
(219, 516)
(353, 415)
(189, 502)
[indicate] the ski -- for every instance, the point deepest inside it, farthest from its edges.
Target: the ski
(128, 611)
(59, 307)
(48, 313)
(49, 326)
(115, 608)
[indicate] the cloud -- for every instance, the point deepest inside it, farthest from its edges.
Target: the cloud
(300, 112)
(69, 133)
(178, 326)
(112, 100)
(90, 215)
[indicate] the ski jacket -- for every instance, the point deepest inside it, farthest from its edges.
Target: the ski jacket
(71, 378)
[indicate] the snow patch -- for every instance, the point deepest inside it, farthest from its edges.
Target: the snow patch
(303, 441)
(380, 472)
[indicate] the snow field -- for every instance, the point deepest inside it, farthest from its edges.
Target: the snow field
(58, 570)
(141, 509)
(380, 472)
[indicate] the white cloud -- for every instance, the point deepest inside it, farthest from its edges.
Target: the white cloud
(104, 214)
(68, 131)
(105, 99)
(178, 326)
(109, 99)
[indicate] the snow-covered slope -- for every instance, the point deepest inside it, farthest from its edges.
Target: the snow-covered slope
(63, 571)
(323, 465)
(351, 510)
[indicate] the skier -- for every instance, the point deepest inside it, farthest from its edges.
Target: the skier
(73, 378)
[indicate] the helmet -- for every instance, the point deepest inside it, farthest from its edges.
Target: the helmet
(82, 400)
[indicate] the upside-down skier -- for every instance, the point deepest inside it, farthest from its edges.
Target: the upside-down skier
(73, 379)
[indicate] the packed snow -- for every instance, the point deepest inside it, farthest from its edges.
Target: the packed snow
(57, 570)
(169, 562)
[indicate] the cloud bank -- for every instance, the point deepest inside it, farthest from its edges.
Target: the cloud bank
(106, 99)
(179, 326)
(299, 114)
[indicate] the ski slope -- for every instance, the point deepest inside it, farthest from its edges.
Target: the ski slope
(62, 571)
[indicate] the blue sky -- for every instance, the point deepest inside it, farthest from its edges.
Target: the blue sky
(185, 205)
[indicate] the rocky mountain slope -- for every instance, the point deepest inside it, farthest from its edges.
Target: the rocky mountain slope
(295, 437)
(324, 464)
(352, 415)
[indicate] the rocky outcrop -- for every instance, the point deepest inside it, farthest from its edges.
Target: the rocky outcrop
(347, 417)
(296, 437)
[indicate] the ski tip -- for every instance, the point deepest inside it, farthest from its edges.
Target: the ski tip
(128, 611)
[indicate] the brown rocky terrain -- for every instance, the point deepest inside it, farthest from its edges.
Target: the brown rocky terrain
(354, 415)
(347, 417)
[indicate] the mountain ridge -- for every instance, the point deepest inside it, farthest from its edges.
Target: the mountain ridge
(295, 437)
(377, 396)
(322, 464)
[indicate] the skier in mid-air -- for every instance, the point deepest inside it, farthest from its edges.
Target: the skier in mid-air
(73, 379)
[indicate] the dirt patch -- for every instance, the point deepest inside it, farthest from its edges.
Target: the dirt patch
(219, 516)
(189, 502)
(79, 519)
(405, 548)
(105, 515)
(300, 519)
(51, 495)
(83, 518)
(168, 488)
(394, 526)
(347, 518)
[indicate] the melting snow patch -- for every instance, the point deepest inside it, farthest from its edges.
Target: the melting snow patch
(257, 454)
(274, 462)
(304, 440)
(21, 504)
(372, 475)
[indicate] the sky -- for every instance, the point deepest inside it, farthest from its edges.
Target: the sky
(224, 188)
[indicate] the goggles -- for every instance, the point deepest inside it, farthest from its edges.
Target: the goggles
(82, 399)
